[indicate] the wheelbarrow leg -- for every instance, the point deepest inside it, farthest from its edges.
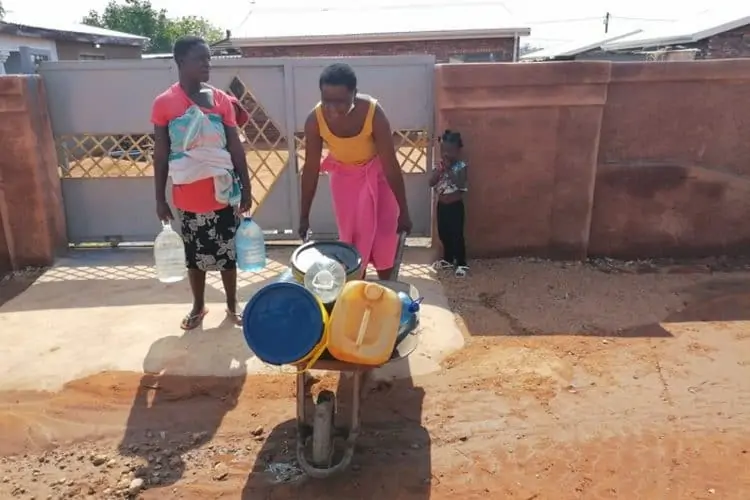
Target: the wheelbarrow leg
(301, 397)
(314, 470)
(356, 403)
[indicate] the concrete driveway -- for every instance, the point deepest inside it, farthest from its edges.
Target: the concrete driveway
(103, 310)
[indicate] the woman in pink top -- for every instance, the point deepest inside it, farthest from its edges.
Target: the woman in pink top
(198, 146)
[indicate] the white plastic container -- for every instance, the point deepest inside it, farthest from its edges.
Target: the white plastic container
(169, 255)
(251, 246)
(325, 278)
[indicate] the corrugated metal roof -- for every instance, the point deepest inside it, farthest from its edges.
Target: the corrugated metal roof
(688, 30)
(570, 49)
(65, 27)
(362, 23)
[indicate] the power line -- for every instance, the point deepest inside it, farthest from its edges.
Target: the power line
(644, 19)
(595, 18)
(571, 20)
(247, 16)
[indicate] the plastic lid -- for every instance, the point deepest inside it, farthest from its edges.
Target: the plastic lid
(414, 306)
(306, 255)
(373, 291)
(282, 323)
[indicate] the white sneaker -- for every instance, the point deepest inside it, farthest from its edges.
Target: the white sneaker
(462, 271)
(442, 265)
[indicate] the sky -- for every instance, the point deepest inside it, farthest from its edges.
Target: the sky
(551, 21)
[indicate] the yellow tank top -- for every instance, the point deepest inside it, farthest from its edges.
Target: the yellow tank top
(357, 150)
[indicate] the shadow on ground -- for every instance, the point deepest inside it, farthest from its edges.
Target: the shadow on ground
(392, 458)
(172, 413)
(710, 301)
(520, 298)
(121, 277)
(190, 383)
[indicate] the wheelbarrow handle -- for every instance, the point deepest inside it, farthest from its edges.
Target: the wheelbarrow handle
(399, 255)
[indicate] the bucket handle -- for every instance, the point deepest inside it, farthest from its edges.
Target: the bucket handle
(309, 237)
(316, 354)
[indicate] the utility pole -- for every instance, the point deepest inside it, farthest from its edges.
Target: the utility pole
(606, 23)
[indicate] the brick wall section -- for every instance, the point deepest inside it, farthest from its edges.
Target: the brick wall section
(575, 159)
(727, 45)
(32, 219)
(530, 133)
(441, 49)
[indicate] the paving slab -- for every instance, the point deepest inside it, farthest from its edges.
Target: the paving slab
(103, 310)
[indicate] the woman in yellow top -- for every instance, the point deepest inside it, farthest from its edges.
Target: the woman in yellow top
(367, 186)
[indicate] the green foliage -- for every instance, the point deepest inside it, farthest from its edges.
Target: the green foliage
(139, 17)
(192, 25)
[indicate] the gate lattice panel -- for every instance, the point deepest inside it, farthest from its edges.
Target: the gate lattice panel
(105, 143)
(266, 147)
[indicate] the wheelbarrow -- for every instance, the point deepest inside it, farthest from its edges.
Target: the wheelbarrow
(319, 436)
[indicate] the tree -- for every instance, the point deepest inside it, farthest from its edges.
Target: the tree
(139, 17)
(192, 25)
(2, 10)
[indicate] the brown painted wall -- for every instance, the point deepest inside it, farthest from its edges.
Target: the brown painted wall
(32, 221)
(596, 158)
(441, 49)
(71, 51)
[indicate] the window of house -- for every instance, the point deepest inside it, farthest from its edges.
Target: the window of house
(92, 57)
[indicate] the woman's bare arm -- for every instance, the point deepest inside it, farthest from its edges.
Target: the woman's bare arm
(311, 167)
(161, 172)
(239, 162)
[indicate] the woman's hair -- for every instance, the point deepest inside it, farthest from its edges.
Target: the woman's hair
(452, 138)
(185, 44)
(339, 74)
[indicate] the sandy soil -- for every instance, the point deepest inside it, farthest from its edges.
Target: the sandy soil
(577, 382)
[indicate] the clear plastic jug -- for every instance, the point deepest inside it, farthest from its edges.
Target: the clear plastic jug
(251, 246)
(325, 278)
(169, 255)
(364, 324)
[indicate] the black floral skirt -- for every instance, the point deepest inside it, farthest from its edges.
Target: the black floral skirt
(209, 239)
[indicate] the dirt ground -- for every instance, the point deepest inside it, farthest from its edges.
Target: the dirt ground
(578, 381)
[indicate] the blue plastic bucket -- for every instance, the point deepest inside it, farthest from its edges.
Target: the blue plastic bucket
(284, 324)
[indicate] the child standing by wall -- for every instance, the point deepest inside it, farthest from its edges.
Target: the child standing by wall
(449, 181)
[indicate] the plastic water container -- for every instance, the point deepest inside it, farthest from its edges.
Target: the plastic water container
(364, 324)
(325, 278)
(251, 246)
(343, 253)
(169, 255)
(409, 309)
(283, 323)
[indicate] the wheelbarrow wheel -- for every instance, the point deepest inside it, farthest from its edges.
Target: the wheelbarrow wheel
(322, 434)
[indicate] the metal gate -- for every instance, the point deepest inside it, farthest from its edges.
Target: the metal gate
(100, 114)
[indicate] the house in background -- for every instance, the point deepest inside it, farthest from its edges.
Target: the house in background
(582, 50)
(23, 43)
(719, 34)
(475, 32)
(712, 34)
